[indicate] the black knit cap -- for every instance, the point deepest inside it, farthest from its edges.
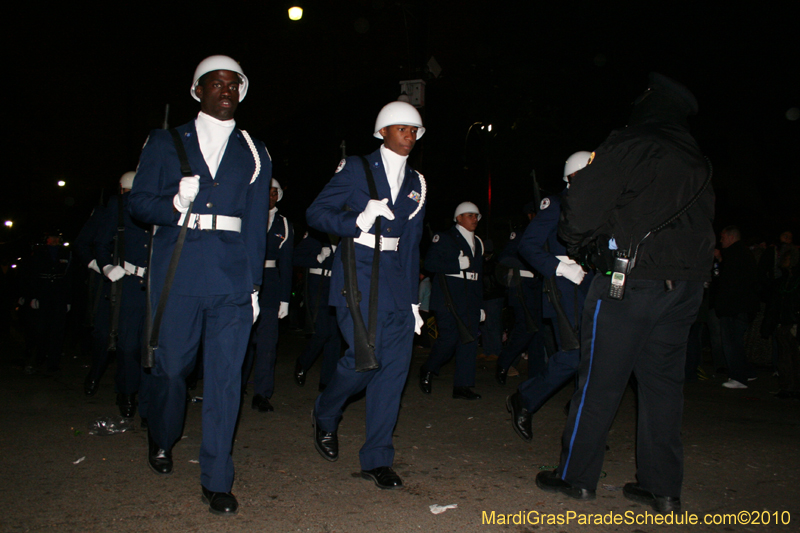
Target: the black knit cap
(659, 82)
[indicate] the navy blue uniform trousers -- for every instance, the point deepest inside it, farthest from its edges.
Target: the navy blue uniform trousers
(644, 334)
(394, 337)
(222, 323)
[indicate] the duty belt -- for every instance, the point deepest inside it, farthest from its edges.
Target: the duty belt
(134, 270)
(270, 263)
(387, 244)
(472, 276)
(212, 222)
(526, 274)
(320, 272)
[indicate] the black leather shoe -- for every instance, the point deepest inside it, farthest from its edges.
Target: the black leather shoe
(159, 459)
(465, 393)
(127, 405)
(326, 443)
(384, 477)
(660, 504)
(520, 417)
(551, 482)
(425, 379)
(90, 386)
(262, 404)
(299, 374)
(500, 375)
(220, 503)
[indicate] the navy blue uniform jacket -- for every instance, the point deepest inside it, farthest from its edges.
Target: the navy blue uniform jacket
(212, 262)
(276, 286)
(442, 258)
(399, 271)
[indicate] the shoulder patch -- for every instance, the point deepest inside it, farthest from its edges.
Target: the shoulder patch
(545, 204)
(512, 236)
(436, 238)
(340, 167)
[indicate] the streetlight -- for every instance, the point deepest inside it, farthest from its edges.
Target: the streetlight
(295, 13)
(61, 183)
(8, 223)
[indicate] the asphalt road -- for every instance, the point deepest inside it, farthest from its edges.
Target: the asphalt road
(741, 449)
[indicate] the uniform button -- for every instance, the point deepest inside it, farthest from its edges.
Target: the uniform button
(209, 205)
(215, 184)
(388, 230)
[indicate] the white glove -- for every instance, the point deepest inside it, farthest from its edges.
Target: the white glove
(569, 269)
(324, 254)
(333, 247)
(418, 322)
(114, 273)
(483, 315)
(374, 209)
(463, 261)
(256, 308)
(283, 310)
(93, 266)
(34, 304)
(187, 192)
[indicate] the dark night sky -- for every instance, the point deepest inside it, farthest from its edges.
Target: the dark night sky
(88, 83)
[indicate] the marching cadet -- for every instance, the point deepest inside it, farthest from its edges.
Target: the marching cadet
(276, 289)
(525, 298)
(46, 297)
(376, 204)
(121, 248)
(565, 287)
(214, 293)
(315, 254)
(456, 257)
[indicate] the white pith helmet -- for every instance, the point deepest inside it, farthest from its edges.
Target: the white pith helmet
(212, 63)
(277, 185)
(466, 207)
(398, 113)
(575, 162)
(126, 181)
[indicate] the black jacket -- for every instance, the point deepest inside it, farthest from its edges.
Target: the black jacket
(736, 290)
(639, 177)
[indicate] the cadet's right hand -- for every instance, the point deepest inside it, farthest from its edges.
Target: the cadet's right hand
(114, 273)
(256, 307)
(463, 261)
(374, 209)
(569, 269)
(187, 192)
(323, 254)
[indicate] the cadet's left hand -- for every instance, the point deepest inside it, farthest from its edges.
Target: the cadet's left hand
(323, 254)
(418, 322)
(256, 308)
(283, 310)
(483, 315)
(114, 273)
(463, 261)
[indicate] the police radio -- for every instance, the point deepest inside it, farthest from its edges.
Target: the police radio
(619, 276)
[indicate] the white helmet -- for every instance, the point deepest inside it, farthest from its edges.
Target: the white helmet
(277, 185)
(212, 63)
(398, 112)
(575, 162)
(466, 207)
(126, 181)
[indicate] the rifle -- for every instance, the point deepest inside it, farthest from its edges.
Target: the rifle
(568, 333)
(116, 286)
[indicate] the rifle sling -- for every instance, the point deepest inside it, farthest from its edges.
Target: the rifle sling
(186, 171)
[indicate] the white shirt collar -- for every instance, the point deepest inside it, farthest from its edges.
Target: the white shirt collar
(468, 235)
(212, 136)
(395, 166)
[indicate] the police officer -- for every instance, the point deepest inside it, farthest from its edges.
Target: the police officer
(214, 295)
(456, 257)
(47, 298)
(276, 289)
(346, 208)
(525, 298)
(565, 291)
(643, 200)
(315, 254)
(123, 260)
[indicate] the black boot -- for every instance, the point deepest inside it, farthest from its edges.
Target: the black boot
(127, 405)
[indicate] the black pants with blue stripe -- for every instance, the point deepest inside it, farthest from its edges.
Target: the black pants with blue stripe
(644, 334)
